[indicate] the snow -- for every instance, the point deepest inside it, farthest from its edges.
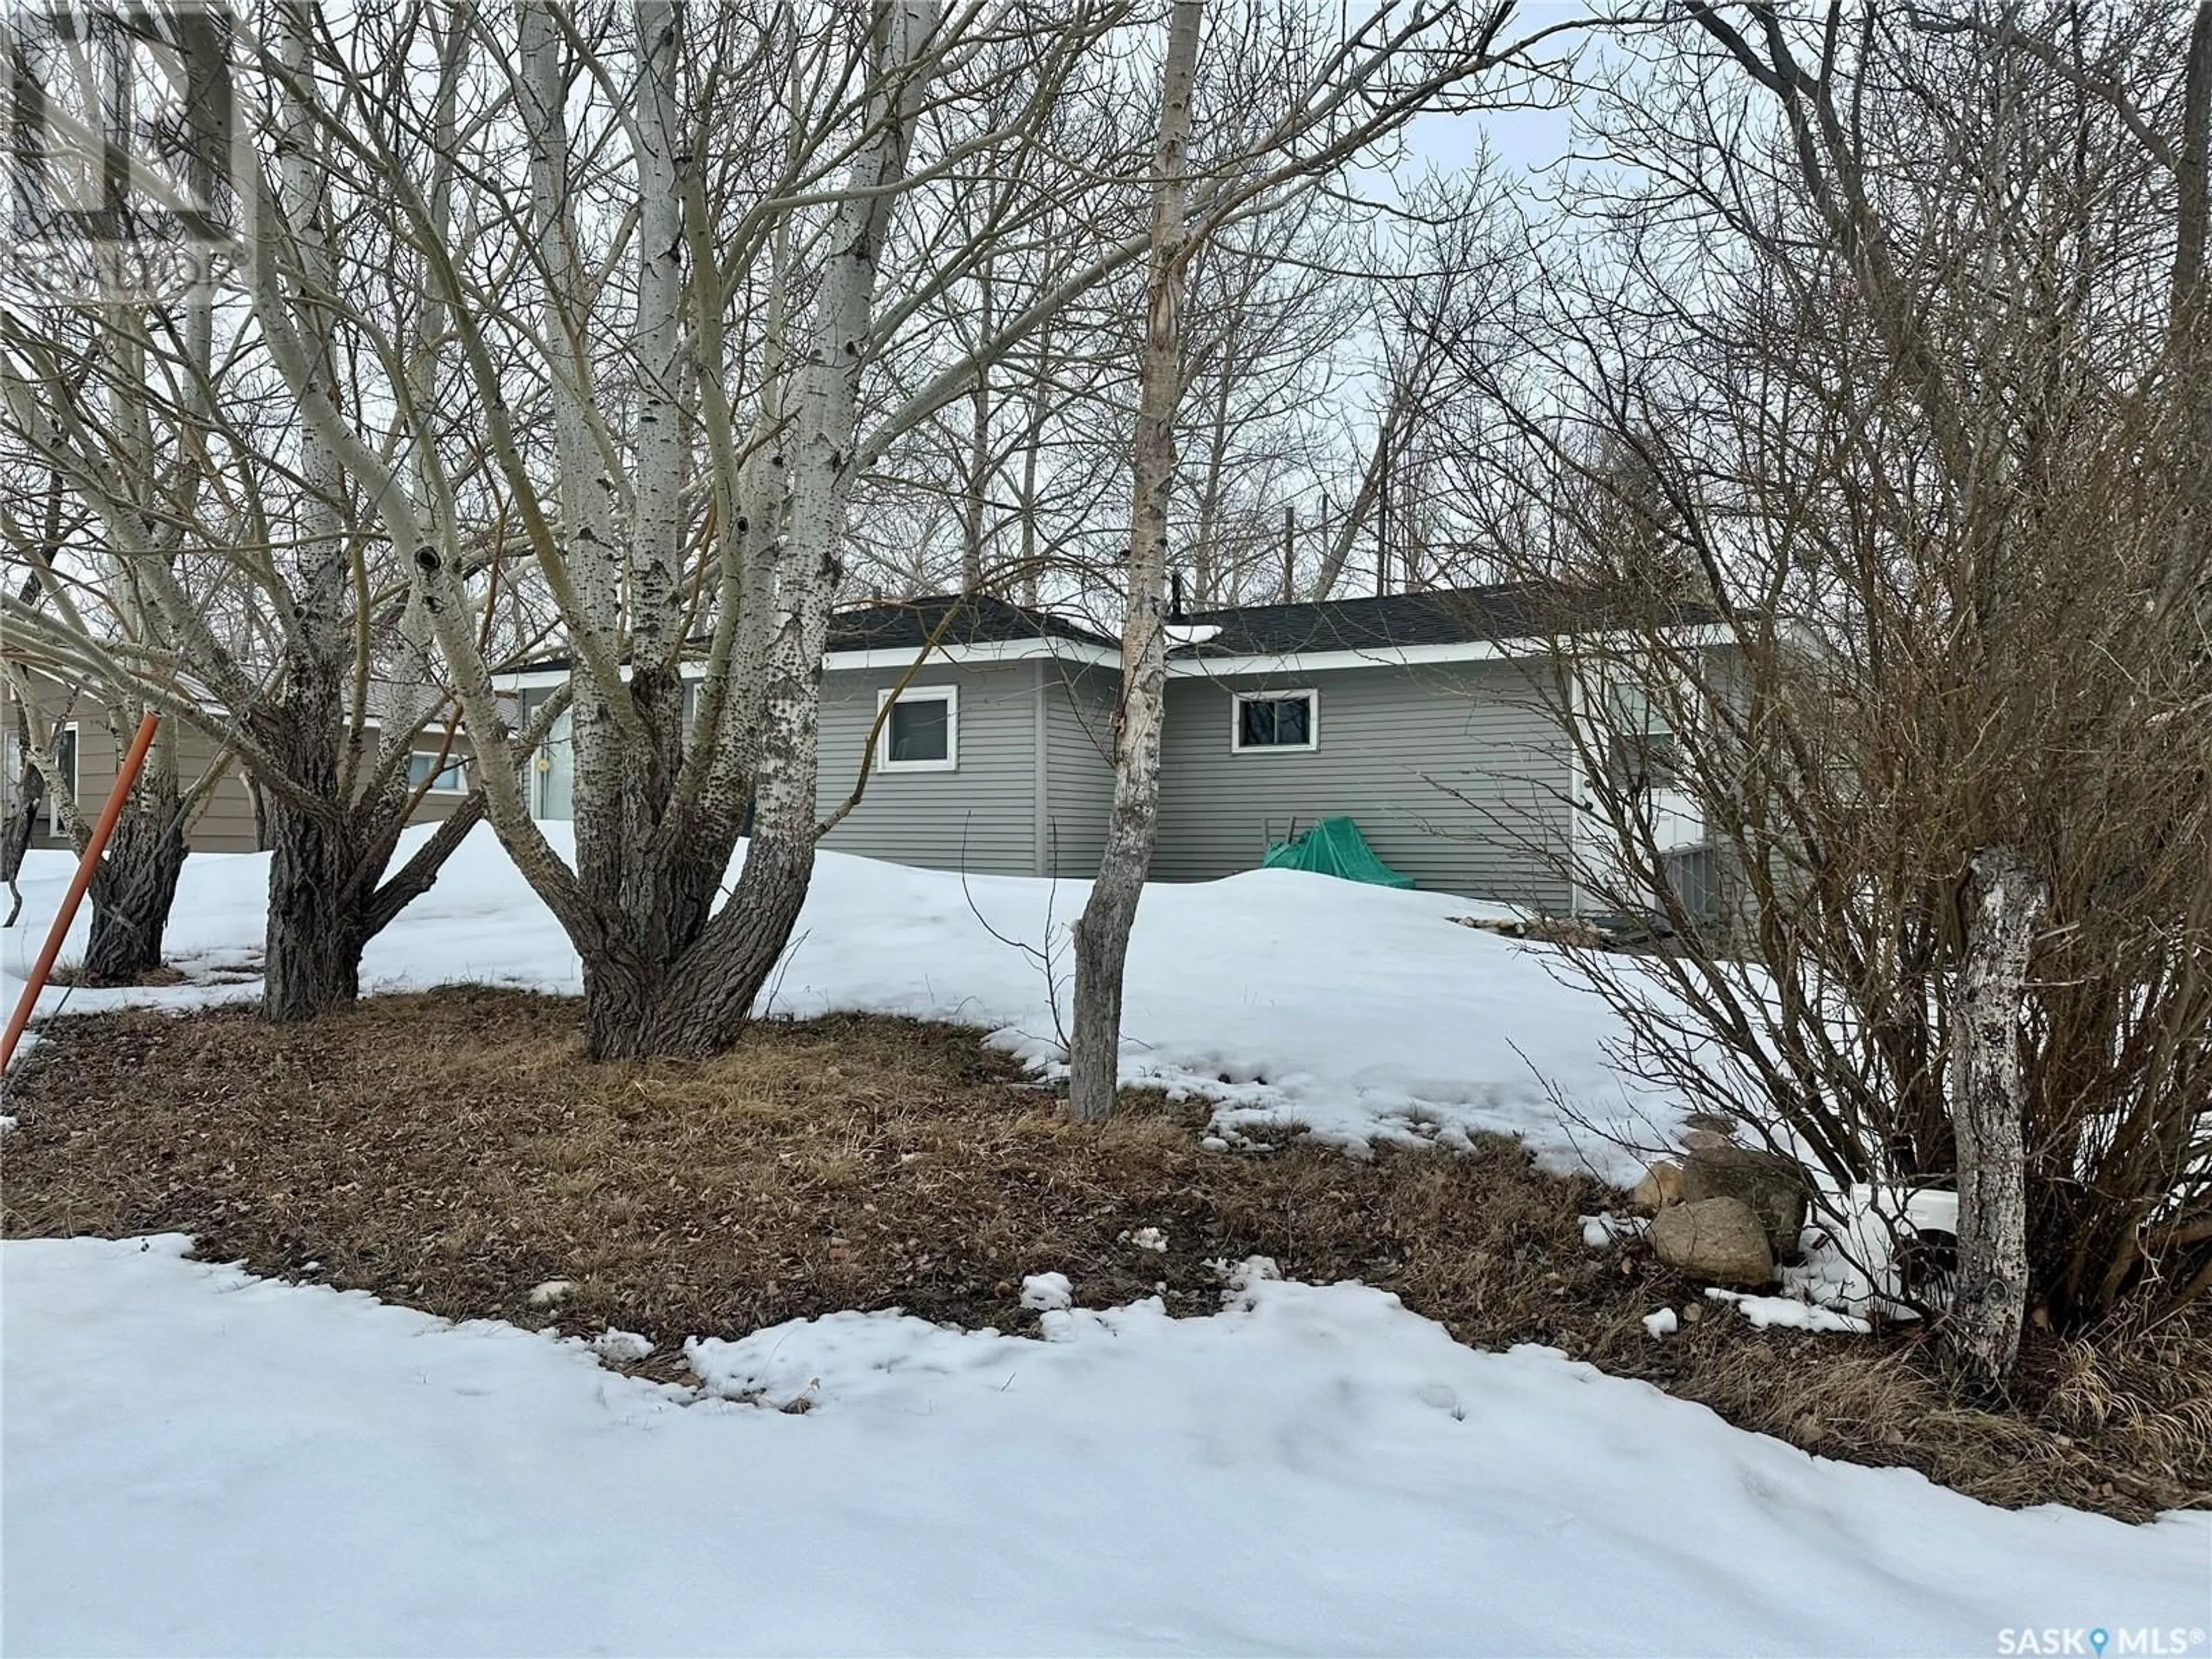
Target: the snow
(1191, 633)
(199, 1462)
(1360, 1014)
(1791, 1313)
(621, 1348)
(1851, 1264)
(1042, 1291)
(1603, 1231)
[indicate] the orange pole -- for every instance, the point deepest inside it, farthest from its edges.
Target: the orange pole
(132, 763)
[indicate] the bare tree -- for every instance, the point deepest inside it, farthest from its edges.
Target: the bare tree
(1102, 931)
(1268, 314)
(1877, 430)
(229, 577)
(550, 303)
(25, 799)
(649, 511)
(1375, 62)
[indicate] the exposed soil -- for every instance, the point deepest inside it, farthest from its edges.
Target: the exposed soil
(453, 1150)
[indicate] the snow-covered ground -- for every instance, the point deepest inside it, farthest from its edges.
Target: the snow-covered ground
(197, 1461)
(1358, 1012)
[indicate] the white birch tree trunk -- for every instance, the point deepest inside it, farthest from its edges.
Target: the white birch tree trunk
(741, 945)
(1989, 1107)
(1102, 932)
(591, 551)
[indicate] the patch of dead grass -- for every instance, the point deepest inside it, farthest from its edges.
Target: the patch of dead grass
(73, 973)
(452, 1149)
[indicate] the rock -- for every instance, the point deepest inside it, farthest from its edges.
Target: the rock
(1700, 1140)
(1771, 1185)
(550, 1292)
(1573, 932)
(1661, 1185)
(1714, 1238)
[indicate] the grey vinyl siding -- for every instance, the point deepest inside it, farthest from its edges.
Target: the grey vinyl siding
(1395, 746)
(1078, 769)
(980, 816)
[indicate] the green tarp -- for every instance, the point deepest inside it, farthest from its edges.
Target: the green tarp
(1334, 846)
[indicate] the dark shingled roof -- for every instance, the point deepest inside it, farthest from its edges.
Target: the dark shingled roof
(1446, 617)
(976, 619)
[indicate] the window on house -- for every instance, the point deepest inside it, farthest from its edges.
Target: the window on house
(1644, 760)
(1277, 720)
(451, 778)
(1642, 748)
(921, 730)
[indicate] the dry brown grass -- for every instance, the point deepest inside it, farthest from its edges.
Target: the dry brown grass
(72, 973)
(452, 1149)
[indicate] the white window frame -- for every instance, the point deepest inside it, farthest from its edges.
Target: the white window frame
(947, 695)
(1237, 702)
(458, 765)
(76, 772)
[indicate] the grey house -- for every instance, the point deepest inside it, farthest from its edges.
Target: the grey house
(1414, 714)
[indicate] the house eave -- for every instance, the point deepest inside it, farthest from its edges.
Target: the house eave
(1415, 656)
(1082, 653)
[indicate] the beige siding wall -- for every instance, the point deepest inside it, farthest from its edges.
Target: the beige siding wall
(1449, 771)
(223, 820)
(225, 824)
(980, 816)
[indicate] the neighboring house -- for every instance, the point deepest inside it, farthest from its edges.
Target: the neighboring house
(1414, 714)
(223, 820)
